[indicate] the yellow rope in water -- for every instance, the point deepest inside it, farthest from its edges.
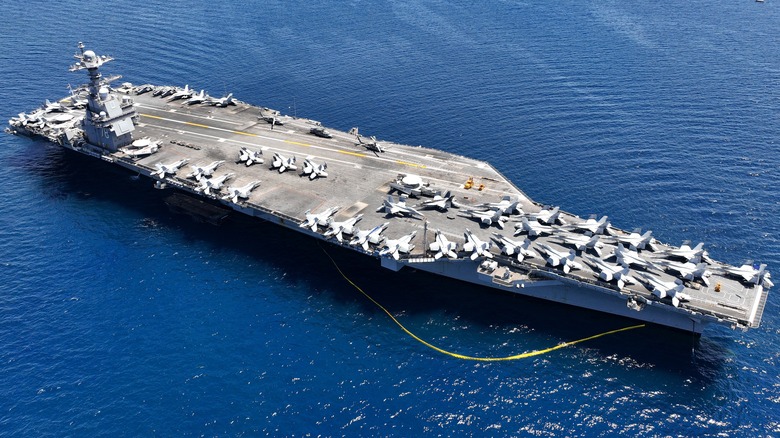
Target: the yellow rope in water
(464, 357)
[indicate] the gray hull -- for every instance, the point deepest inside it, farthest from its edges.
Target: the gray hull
(202, 149)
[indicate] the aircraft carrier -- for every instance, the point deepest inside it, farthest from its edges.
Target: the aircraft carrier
(405, 206)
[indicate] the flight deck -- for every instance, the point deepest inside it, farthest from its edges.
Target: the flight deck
(407, 206)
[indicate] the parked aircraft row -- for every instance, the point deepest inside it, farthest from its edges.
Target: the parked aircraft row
(556, 258)
(186, 93)
(548, 221)
(206, 183)
(192, 97)
(626, 253)
(51, 116)
(310, 168)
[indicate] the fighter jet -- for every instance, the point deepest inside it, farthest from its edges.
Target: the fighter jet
(250, 157)
(687, 253)
(234, 193)
(547, 216)
(506, 206)
(609, 272)
(395, 247)
(373, 236)
(163, 91)
(32, 120)
(511, 247)
(313, 169)
(184, 93)
(167, 91)
(751, 274)
(591, 225)
(439, 202)
(141, 89)
(627, 257)
(321, 219)
(215, 184)
(372, 145)
(663, 289)
(688, 271)
(486, 218)
(272, 120)
(338, 229)
(54, 107)
(638, 241)
(78, 99)
(201, 97)
(283, 163)
(168, 169)
(199, 172)
(534, 229)
(476, 247)
(581, 242)
(222, 102)
(399, 208)
(78, 102)
(443, 247)
(556, 258)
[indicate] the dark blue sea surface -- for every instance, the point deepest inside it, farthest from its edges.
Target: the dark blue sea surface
(120, 318)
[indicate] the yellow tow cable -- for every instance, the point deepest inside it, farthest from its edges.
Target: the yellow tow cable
(464, 357)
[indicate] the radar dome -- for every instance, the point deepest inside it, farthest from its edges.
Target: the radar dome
(103, 93)
(89, 54)
(412, 181)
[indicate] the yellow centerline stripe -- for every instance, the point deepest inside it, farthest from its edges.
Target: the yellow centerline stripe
(421, 166)
(350, 153)
(356, 154)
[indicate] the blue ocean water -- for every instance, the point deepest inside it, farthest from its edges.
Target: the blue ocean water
(118, 317)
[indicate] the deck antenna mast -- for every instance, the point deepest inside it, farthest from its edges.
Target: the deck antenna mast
(108, 121)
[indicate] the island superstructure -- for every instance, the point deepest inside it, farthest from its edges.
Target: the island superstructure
(406, 206)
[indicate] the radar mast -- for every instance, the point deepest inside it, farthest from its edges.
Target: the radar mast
(108, 122)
